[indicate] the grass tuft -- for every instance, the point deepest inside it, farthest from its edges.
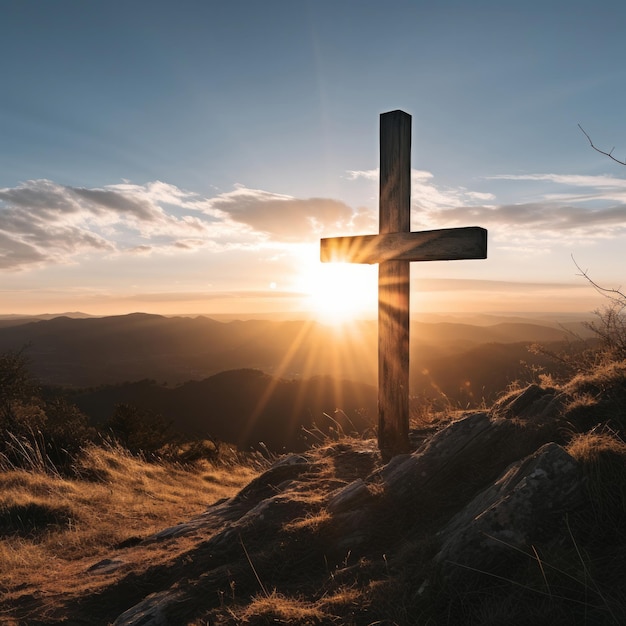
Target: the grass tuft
(602, 456)
(32, 518)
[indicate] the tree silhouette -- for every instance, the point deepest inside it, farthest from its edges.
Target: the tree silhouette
(138, 429)
(16, 388)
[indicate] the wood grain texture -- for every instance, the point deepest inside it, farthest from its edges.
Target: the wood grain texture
(393, 358)
(394, 286)
(446, 244)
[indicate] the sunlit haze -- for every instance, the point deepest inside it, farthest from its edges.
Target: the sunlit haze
(186, 158)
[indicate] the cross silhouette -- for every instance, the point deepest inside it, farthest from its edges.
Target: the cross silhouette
(393, 249)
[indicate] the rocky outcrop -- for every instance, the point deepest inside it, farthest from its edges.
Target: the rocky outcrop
(468, 479)
(478, 497)
(534, 403)
(523, 507)
(449, 467)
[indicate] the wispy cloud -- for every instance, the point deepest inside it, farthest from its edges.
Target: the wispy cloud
(469, 284)
(579, 209)
(576, 180)
(567, 209)
(204, 296)
(547, 217)
(15, 253)
(576, 188)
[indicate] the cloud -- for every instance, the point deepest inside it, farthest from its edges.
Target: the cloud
(427, 196)
(576, 180)
(539, 226)
(480, 196)
(471, 284)
(576, 188)
(44, 222)
(284, 218)
(543, 216)
(16, 254)
(101, 201)
(203, 296)
(365, 221)
(366, 174)
(140, 250)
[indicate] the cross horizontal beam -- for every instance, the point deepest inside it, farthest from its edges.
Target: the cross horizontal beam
(445, 244)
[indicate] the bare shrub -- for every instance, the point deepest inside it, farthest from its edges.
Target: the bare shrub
(610, 324)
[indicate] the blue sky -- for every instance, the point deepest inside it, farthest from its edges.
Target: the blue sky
(186, 157)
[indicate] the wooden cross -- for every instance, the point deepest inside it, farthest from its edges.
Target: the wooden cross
(393, 249)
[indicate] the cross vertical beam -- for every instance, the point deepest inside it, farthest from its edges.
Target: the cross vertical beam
(394, 286)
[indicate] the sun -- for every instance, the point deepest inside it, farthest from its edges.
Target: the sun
(340, 292)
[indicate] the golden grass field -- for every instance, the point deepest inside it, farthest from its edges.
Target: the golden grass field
(53, 527)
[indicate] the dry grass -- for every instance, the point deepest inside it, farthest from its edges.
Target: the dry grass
(602, 456)
(279, 608)
(276, 608)
(591, 448)
(607, 376)
(50, 524)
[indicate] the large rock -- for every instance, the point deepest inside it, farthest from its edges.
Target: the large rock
(151, 611)
(526, 505)
(436, 480)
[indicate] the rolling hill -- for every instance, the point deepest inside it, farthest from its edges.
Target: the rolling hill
(110, 350)
(245, 407)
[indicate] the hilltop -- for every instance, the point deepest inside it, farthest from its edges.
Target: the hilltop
(512, 515)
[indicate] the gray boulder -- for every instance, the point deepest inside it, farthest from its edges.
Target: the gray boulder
(525, 506)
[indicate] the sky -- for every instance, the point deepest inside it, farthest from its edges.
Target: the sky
(186, 157)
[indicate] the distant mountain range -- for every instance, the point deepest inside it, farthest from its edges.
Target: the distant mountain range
(260, 380)
(83, 352)
(95, 351)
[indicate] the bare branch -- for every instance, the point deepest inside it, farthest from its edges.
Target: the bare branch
(609, 154)
(613, 294)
